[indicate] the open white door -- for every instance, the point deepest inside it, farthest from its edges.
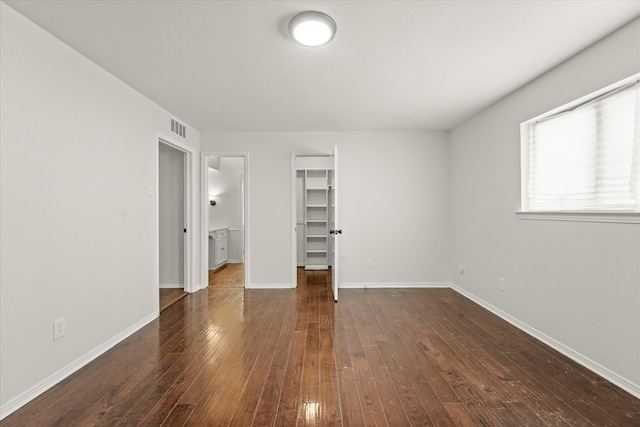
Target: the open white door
(335, 231)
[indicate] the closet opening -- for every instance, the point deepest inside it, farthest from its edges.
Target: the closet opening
(315, 218)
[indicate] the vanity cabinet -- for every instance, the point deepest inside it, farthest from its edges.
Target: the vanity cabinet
(220, 246)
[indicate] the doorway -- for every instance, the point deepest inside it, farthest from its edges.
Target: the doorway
(225, 212)
(315, 217)
(174, 232)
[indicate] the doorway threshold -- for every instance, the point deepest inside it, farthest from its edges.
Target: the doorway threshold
(169, 296)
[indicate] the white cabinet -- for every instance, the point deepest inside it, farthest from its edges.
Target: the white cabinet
(316, 219)
(220, 246)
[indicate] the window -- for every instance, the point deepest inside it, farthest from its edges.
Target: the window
(585, 156)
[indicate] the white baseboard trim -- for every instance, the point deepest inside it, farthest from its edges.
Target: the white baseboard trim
(169, 286)
(390, 285)
(19, 401)
(598, 369)
(268, 286)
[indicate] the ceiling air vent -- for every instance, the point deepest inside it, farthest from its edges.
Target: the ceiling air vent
(178, 128)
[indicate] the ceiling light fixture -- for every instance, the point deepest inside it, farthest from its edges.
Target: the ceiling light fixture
(312, 28)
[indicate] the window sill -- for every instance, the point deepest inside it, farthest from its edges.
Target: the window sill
(614, 217)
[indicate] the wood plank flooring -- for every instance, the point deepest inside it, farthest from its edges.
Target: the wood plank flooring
(170, 295)
(231, 275)
(383, 357)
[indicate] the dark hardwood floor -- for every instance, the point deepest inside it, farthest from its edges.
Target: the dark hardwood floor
(230, 356)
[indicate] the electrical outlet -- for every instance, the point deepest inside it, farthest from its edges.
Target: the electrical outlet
(502, 285)
(369, 263)
(469, 269)
(59, 328)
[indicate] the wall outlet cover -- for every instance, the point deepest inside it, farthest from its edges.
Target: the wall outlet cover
(59, 328)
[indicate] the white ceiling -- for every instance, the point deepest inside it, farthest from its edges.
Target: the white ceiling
(393, 65)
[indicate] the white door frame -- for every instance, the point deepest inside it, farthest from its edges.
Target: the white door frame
(294, 222)
(204, 216)
(335, 211)
(189, 220)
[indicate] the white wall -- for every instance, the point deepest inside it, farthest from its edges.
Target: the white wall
(78, 227)
(171, 222)
(393, 203)
(577, 284)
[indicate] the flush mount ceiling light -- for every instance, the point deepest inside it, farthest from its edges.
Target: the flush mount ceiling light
(312, 28)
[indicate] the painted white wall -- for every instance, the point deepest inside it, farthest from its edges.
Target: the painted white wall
(171, 222)
(78, 226)
(575, 283)
(314, 162)
(393, 197)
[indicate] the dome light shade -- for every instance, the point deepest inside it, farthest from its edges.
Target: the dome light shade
(312, 28)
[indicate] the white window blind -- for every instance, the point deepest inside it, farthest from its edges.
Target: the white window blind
(587, 157)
